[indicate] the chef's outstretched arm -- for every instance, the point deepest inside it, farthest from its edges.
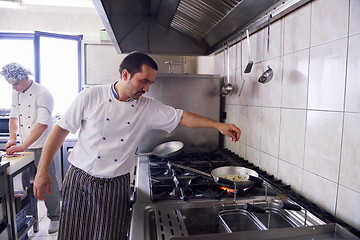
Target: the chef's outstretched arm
(52, 145)
(193, 120)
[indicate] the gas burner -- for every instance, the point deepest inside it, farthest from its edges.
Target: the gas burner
(172, 183)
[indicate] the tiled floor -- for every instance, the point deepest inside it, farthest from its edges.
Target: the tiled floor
(44, 222)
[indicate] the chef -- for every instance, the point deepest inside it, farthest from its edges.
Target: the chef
(111, 120)
(31, 117)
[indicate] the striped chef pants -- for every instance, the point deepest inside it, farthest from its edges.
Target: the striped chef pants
(94, 208)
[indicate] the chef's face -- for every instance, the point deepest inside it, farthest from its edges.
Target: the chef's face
(140, 82)
(20, 86)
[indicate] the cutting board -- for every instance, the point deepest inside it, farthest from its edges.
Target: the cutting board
(16, 156)
(18, 162)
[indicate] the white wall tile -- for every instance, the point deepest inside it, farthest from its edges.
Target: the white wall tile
(323, 143)
(252, 87)
(45, 22)
(329, 20)
(232, 56)
(276, 40)
(348, 207)
(257, 47)
(295, 80)
(269, 163)
(85, 23)
(62, 22)
(238, 63)
(350, 152)
(271, 91)
(292, 136)
(254, 127)
(230, 118)
(354, 17)
(219, 63)
(14, 20)
(327, 76)
(252, 155)
(297, 30)
(1, 19)
(240, 85)
(241, 149)
(241, 121)
(291, 175)
(319, 190)
(352, 102)
(204, 64)
(270, 131)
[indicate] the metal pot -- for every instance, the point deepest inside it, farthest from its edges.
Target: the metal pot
(165, 150)
(218, 174)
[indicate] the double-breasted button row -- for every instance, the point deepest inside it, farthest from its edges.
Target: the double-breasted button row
(115, 160)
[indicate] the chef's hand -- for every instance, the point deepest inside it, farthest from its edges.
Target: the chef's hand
(230, 130)
(10, 143)
(41, 181)
(13, 149)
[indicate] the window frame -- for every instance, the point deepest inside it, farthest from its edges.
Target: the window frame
(37, 66)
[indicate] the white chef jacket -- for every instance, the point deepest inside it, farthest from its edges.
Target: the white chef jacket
(35, 105)
(110, 130)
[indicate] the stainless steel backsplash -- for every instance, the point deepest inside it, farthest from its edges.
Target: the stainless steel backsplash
(196, 93)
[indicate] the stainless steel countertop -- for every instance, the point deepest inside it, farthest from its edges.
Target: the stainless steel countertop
(141, 227)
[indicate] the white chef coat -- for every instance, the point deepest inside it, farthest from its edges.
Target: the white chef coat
(110, 130)
(35, 105)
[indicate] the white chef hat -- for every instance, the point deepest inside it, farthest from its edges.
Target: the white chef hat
(15, 72)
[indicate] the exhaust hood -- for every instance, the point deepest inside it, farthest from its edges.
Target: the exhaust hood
(178, 27)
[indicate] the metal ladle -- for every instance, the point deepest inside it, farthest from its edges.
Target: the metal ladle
(228, 88)
(268, 74)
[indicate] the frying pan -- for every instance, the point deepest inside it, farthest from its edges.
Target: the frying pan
(218, 174)
(165, 150)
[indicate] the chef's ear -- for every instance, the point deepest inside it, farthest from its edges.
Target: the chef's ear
(125, 75)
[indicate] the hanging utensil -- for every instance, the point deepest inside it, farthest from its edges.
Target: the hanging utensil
(228, 87)
(250, 63)
(241, 73)
(268, 74)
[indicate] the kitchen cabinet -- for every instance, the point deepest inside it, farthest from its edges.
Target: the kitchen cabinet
(16, 166)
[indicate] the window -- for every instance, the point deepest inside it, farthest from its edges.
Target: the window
(58, 67)
(54, 59)
(14, 48)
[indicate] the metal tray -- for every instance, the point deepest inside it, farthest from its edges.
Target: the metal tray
(239, 220)
(320, 232)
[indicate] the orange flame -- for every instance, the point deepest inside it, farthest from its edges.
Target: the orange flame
(229, 190)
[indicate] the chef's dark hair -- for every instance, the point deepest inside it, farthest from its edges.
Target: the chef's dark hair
(133, 62)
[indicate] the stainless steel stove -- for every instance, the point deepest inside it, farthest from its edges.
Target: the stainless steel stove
(174, 203)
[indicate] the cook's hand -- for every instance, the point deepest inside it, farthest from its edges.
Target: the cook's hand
(13, 149)
(10, 143)
(230, 130)
(41, 181)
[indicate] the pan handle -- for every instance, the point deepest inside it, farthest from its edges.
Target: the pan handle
(255, 179)
(289, 206)
(253, 208)
(221, 180)
(144, 154)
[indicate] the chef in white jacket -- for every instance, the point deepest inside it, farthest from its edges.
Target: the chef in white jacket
(31, 118)
(111, 120)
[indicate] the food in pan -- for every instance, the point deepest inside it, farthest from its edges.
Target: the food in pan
(235, 178)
